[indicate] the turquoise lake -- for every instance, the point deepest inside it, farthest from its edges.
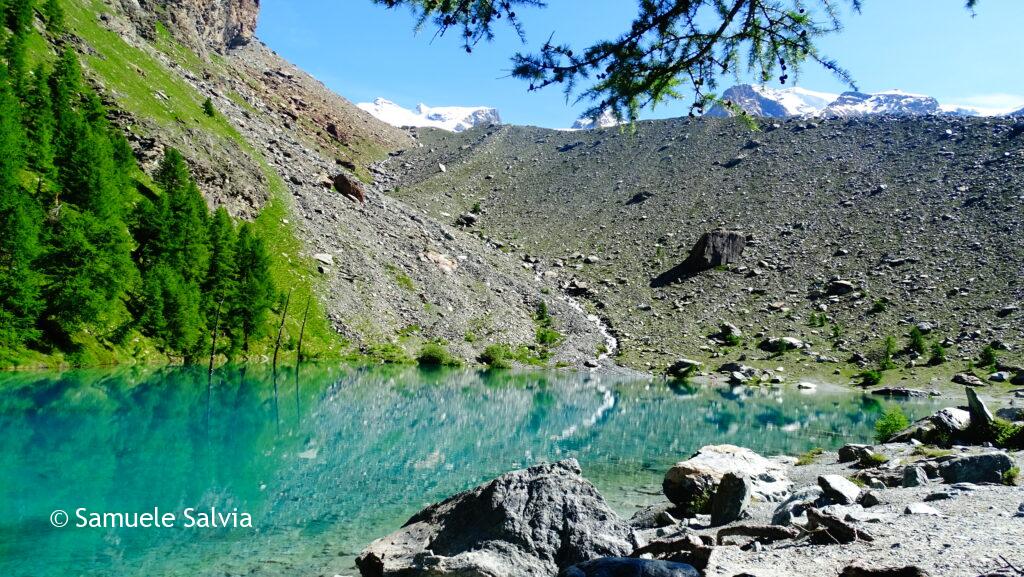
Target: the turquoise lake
(328, 458)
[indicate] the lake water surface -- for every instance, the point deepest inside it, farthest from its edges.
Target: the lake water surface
(330, 457)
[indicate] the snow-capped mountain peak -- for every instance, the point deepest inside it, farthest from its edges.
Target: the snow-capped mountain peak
(606, 119)
(888, 102)
(760, 100)
(764, 101)
(452, 118)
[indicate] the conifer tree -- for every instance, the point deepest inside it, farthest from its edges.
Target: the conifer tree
(14, 53)
(39, 124)
(65, 82)
(220, 279)
(184, 244)
(19, 15)
(671, 49)
(53, 13)
(175, 256)
(20, 216)
(221, 285)
(256, 293)
(89, 260)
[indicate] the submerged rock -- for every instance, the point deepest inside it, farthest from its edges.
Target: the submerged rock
(530, 522)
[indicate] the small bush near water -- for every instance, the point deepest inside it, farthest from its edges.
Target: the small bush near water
(435, 355)
(496, 357)
(892, 421)
(870, 378)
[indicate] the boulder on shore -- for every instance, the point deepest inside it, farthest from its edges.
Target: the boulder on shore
(980, 468)
(691, 484)
(534, 521)
(629, 567)
(731, 499)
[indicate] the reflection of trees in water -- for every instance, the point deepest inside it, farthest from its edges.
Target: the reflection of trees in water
(359, 449)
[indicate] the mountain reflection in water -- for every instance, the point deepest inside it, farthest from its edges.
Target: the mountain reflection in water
(327, 458)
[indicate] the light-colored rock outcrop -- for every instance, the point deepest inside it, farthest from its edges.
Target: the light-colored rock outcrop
(532, 522)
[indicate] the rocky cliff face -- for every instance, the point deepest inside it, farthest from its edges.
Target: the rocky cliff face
(273, 150)
(200, 24)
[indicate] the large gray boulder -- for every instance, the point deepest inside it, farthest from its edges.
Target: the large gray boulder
(532, 522)
(839, 489)
(628, 567)
(952, 420)
(980, 415)
(980, 468)
(947, 425)
(731, 499)
(797, 504)
(717, 248)
(692, 483)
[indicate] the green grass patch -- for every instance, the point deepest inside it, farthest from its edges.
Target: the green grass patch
(184, 56)
(496, 357)
(1006, 434)
(289, 269)
(502, 356)
(387, 354)
(870, 378)
(930, 452)
(241, 102)
(809, 457)
(139, 82)
(873, 460)
(548, 337)
(1011, 475)
(401, 279)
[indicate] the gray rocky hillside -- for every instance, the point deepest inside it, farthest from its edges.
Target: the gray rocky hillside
(856, 229)
(281, 141)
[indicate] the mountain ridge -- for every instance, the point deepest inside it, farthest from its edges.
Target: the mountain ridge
(777, 102)
(450, 118)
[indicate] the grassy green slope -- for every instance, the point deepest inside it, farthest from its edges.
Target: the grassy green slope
(141, 85)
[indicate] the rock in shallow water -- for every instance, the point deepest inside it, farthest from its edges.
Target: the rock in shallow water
(532, 522)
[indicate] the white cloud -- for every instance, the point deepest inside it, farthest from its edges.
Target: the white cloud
(996, 103)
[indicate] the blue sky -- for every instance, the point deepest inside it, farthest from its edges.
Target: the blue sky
(363, 51)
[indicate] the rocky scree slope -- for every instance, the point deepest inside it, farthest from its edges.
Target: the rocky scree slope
(921, 219)
(278, 145)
